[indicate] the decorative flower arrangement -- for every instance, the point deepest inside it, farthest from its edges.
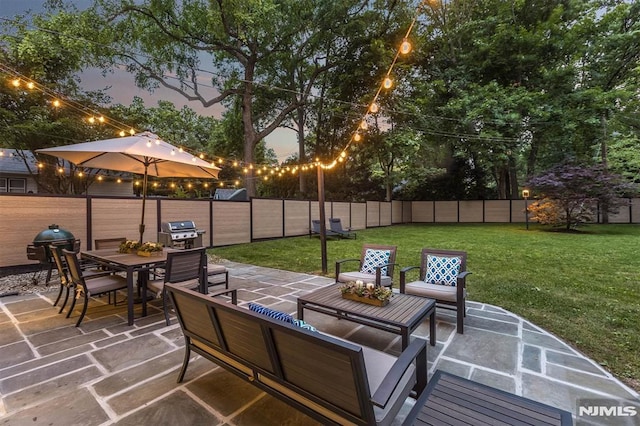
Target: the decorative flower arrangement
(368, 290)
(129, 246)
(150, 247)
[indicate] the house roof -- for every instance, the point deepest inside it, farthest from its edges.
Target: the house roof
(11, 162)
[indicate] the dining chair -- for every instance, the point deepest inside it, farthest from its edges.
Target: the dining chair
(186, 268)
(86, 287)
(88, 271)
(105, 243)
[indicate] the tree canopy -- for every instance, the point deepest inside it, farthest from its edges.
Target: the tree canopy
(492, 93)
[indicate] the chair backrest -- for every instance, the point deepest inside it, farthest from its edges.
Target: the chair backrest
(336, 225)
(57, 256)
(375, 255)
(446, 265)
(185, 265)
(315, 225)
(329, 372)
(73, 265)
(105, 243)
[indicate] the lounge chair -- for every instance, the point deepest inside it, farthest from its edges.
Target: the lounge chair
(315, 230)
(336, 226)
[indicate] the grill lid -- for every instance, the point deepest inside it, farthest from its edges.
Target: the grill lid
(178, 226)
(54, 233)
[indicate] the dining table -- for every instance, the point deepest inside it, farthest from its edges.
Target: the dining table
(131, 264)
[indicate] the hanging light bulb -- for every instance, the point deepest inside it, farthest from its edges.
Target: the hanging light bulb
(357, 137)
(100, 178)
(132, 132)
(16, 82)
(388, 83)
(55, 103)
(373, 108)
(405, 47)
(101, 119)
(30, 85)
(122, 133)
(60, 170)
(364, 125)
(91, 120)
(149, 144)
(158, 141)
(201, 156)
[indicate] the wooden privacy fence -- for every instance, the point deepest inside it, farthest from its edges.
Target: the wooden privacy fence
(23, 216)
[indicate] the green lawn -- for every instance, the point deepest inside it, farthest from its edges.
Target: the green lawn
(583, 287)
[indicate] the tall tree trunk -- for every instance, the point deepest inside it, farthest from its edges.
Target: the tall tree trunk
(605, 164)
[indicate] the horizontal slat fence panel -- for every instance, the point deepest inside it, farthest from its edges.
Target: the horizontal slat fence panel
(24, 216)
(373, 214)
(178, 210)
(497, 211)
(342, 211)
(358, 216)
(446, 211)
(296, 218)
(385, 214)
(267, 218)
(422, 211)
(471, 211)
(121, 217)
(231, 222)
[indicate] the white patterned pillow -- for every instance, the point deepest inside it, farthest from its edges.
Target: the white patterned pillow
(374, 258)
(442, 270)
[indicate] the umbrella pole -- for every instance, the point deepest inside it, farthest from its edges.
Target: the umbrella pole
(144, 200)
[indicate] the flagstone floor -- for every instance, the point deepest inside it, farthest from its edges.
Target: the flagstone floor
(107, 373)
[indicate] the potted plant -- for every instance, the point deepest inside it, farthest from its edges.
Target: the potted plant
(366, 293)
(150, 249)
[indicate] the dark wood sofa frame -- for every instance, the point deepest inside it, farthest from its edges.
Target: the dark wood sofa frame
(318, 374)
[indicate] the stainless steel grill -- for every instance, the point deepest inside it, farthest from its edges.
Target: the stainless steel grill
(180, 234)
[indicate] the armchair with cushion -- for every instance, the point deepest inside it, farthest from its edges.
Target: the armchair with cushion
(442, 277)
(375, 265)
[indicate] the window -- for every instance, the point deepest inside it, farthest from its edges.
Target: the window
(13, 185)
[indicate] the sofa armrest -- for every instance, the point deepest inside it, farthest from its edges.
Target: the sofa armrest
(417, 351)
(233, 292)
(403, 276)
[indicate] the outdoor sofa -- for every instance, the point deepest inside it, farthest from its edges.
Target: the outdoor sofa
(331, 380)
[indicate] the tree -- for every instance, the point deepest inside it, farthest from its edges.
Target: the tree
(571, 194)
(251, 50)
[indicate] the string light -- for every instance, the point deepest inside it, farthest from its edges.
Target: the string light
(387, 83)
(405, 47)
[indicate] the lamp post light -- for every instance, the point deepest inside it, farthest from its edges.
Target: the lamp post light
(525, 195)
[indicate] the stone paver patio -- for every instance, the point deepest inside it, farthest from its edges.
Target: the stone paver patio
(105, 372)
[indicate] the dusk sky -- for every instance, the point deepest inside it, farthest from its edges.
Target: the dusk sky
(122, 88)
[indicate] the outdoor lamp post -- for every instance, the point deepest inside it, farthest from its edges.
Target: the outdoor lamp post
(525, 195)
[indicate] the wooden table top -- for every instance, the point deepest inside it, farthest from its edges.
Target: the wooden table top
(402, 309)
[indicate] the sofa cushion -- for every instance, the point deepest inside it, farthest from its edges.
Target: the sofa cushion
(442, 270)
(374, 258)
(271, 313)
(280, 316)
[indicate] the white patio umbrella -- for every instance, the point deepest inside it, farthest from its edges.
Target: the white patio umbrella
(144, 153)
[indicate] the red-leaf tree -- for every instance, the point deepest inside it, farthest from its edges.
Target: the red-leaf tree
(570, 194)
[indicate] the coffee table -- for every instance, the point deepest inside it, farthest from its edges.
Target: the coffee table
(402, 315)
